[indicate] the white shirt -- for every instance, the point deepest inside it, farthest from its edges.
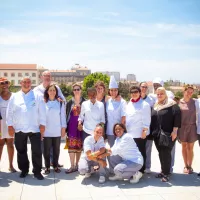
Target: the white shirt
(91, 114)
(149, 100)
(55, 118)
(138, 116)
(26, 112)
(115, 111)
(127, 149)
(40, 89)
(3, 108)
(91, 145)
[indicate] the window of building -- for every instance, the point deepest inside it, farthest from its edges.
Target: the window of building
(33, 74)
(19, 81)
(33, 81)
(26, 74)
(19, 74)
(5, 74)
(12, 74)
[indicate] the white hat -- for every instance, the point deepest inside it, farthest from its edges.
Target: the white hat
(158, 80)
(113, 83)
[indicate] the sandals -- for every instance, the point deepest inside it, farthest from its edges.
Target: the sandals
(186, 170)
(47, 171)
(12, 170)
(190, 170)
(57, 170)
(70, 170)
(165, 178)
(161, 175)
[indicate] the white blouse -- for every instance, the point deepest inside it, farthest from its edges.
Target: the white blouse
(138, 116)
(127, 149)
(91, 114)
(55, 118)
(115, 111)
(3, 108)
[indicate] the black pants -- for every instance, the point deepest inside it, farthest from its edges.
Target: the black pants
(164, 156)
(51, 152)
(51, 143)
(141, 144)
(22, 157)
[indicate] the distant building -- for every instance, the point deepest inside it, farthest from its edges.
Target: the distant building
(174, 82)
(76, 74)
(131, 77)
(15, 72)
(115, 74)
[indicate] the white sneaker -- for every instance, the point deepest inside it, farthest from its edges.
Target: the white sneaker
(102, 179)
(87, 175)
(136, 177)
(115, 178)
(147, 171)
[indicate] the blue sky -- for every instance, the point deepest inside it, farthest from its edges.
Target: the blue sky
(149, 38)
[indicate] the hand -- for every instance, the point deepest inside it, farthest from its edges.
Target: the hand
(11, 131)
(144, 134)
(42, 130)
(63, 132)
(80, 127)
(173, 135)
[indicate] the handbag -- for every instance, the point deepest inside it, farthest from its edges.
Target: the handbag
(163, 138)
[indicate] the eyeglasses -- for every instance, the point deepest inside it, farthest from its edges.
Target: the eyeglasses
(4, 83)
(76, 89)
(134, 92)
(145, 87)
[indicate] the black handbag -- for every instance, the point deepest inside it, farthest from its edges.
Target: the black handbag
(163, 138)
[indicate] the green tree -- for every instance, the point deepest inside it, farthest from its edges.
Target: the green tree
(179, 94)
(91, 79)
(13, 88)
(66, 90)
(124, 90)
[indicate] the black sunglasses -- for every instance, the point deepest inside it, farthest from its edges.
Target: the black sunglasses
(144, 87)
(76, 89)
(134, 92)
(5, 82)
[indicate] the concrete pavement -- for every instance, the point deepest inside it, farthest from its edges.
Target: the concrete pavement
(75, 187)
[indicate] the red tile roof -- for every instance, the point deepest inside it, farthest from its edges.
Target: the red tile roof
(18, 66)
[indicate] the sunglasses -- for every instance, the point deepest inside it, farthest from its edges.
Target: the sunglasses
(76, 89)
(145, 87)
(134, 92)
(5, 82)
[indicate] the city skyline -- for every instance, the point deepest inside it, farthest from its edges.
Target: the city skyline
(149, 38)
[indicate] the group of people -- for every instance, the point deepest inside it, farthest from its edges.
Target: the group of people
(105, 134)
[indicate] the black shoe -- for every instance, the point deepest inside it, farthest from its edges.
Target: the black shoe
(23, 174)
(198, 174)
(59, 165)
(39, 176)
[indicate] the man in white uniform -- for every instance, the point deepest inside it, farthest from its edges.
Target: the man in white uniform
(26, 118)
(40, 89)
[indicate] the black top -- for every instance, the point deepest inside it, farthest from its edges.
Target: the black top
(168, 118)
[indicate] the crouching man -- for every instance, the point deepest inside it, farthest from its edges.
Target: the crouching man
(94, 146)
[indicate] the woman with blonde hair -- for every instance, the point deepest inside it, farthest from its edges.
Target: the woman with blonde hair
(187, 134)
(165, 121)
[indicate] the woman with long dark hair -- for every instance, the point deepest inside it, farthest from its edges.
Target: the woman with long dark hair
(55, 126)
